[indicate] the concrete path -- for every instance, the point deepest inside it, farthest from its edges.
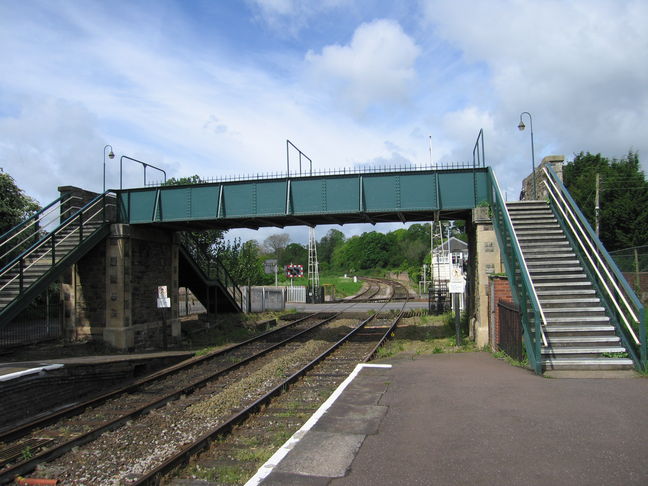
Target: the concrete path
(470, 419)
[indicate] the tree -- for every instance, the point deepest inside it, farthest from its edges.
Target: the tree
(623, 197)
(276, 243)
(15, 205)
(327, 245)
(294, 253)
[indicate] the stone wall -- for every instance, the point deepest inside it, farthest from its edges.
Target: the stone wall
(486, 263)
(556, 162)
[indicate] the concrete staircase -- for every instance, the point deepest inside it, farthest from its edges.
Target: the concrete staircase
(580, 335)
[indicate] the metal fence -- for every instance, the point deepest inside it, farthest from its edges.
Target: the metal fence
(296, 294)
(509, 337)
(41, 321)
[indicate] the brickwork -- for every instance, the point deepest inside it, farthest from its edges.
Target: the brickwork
(499, 289)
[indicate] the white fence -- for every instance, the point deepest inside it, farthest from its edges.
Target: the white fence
(296, 294)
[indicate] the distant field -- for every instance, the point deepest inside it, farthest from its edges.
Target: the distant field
(343, 286)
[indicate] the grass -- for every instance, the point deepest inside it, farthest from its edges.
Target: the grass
(509, 360)
(424, 335)
(343, 286)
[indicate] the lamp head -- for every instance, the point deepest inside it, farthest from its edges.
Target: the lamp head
(521, 126)
(111, 155)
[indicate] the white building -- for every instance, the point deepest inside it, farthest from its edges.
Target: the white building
(440, 257)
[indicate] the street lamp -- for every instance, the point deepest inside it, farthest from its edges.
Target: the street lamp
(521, 127)
(111, 156)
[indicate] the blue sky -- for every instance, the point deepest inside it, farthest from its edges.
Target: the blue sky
(216, 87)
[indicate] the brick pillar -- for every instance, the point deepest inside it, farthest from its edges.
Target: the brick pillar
(487, 262)
(499, 289)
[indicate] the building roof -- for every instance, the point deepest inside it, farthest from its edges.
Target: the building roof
(456, 245)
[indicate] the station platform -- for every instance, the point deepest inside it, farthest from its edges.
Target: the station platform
(468, 419)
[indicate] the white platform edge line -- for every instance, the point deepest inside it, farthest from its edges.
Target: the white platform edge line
(277, 457)
(30, 371)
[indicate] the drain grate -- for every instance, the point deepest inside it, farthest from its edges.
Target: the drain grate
(22, 450)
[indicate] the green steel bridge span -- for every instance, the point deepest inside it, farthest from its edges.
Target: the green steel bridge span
(335, 198)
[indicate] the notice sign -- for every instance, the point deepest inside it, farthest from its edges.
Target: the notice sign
(162, 300)
(457, 283)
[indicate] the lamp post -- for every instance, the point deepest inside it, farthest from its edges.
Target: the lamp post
(111, 156)
(521, 127)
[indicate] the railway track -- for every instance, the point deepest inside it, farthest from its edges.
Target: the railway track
(381, 290)
(270, 417)
(168, 407)
(24, 447)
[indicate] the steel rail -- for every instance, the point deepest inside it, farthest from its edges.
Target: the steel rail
(22, 430)
(153, 477)
(25, 467)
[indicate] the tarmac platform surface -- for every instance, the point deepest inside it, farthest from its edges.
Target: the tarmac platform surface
(469, 419)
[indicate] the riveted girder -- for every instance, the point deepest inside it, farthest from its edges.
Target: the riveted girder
(324, 199)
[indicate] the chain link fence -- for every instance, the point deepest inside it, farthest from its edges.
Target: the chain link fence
(633, 263)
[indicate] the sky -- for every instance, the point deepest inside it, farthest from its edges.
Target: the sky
(215, 88)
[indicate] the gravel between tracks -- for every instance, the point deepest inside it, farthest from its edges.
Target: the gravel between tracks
(120, 456)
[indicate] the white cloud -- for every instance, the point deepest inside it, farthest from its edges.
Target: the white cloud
(377, 66)
(579, 67)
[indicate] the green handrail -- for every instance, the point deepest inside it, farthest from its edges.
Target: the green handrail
(611, 277)
(519, 279)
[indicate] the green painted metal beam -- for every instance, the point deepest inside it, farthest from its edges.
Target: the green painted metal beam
(323, 199)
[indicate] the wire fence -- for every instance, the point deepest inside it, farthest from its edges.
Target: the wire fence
(633, 263)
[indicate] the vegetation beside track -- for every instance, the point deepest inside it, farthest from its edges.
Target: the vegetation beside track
(424, 335)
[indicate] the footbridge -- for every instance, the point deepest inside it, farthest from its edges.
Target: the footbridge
(117, 248)
(375, 196)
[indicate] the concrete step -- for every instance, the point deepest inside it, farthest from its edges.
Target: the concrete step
(576, 320)
(587, 363)
(542, 263)
(562, 246)
(558, 277)
(583, 352)
(555, 269)
(575, 330)
(540, 255)
(568, 303)
(577, 341)
(559, 293)
(542, 231)
(565, 285)
(556, 312)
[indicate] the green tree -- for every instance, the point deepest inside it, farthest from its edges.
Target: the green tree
(15, 205)
(294, 253)
(623, 197)
(327, 245)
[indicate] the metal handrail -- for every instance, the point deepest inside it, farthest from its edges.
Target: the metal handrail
(526, 275)
(288, 145)
(593, 250)
(328, 172)
(34, 219)
(204, 260)
(482, 159)
(51, 238)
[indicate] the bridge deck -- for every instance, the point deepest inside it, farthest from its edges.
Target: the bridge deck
(330, 199)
